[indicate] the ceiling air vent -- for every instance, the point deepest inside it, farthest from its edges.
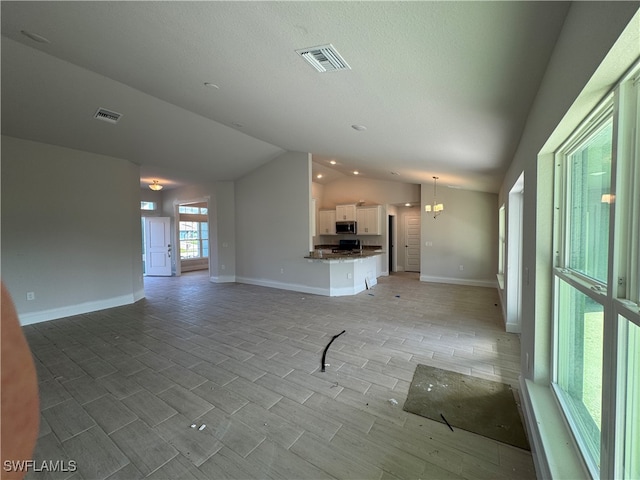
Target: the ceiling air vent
(324, 58)
(107, 115)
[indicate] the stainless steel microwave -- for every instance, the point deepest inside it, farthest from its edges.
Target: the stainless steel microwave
(346, 227)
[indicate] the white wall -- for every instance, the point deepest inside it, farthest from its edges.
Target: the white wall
(370, 191)
(148, 195)
(581, 71)
(222, 231)
(465, 234)
(70, 230)
(272, 226)
(589, 32)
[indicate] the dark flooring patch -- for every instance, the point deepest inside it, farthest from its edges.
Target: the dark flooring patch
(469, 403)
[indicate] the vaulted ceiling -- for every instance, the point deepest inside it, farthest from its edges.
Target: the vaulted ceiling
(211, 90)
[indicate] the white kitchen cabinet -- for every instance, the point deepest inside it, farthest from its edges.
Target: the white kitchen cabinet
(345, 212)
(326, 222)
(369, 220)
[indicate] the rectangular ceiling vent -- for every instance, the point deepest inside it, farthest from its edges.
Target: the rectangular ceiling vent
(107, 115)
(324, 58)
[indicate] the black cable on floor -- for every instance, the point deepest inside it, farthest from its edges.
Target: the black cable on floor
(324, 354)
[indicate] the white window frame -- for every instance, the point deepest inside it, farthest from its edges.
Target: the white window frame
(620, 294)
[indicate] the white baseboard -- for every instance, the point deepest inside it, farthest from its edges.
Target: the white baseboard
(223, 279)
(512, 327)
(138, 295)
(460, 281)
(552, 446)
(78, 309)
(295, 287)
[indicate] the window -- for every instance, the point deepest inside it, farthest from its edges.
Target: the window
(596, 334)
(589, 189)
(197, 210)
(147, 205)
(579, 371)
(631, 402)
(194, 231)
(501, 239)
(586, 173)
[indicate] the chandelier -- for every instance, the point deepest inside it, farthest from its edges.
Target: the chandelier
(155, 186)
(435, 208)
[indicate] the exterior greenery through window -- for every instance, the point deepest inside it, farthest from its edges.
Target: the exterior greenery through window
(597, 273)
(194, 231)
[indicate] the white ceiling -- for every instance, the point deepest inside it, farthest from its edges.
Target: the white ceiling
(444, 88)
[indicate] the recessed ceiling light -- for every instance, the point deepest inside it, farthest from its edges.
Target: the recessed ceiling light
(35, 37)
(597, 174)
(356, 172)
(360, 128)
(333, 162)
(212, 85)
(319, 175)
(407, 204)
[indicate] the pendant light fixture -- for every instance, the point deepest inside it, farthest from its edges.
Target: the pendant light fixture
(435, 208)
(155, 186)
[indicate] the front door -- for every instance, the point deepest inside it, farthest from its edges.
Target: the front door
(412, 245)
(158, 249)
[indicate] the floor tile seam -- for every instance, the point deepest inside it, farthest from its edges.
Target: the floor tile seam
(197, 466)
(60, 441)
(312, 390)
(159, 467)
(398, 452)
(409, 370)
(184, 414)
(58, 403)
(194, 387)
(338, 452)
(290, 398)
(255, 403)
(89, 401)
(466, 449)
(302, 427)
(352, 374)
(233, 373)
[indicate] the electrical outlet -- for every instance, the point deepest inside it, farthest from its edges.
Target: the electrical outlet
(282, 270)
(349, 276)
(31, 296)
(223, 267)
(461, 268)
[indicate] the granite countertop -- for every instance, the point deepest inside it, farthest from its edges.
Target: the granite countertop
(366, 252)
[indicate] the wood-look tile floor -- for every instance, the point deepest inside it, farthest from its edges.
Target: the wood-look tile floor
(120, 388)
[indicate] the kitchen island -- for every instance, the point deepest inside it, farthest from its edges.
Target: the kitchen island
(348, 272)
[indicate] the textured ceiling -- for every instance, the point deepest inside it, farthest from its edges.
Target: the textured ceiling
(444, 88)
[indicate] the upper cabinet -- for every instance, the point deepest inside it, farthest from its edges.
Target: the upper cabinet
(369, 220)
(326, 222)
(345, 212)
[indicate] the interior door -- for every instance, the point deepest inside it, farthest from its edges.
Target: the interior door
(412, 245)
(158, 248)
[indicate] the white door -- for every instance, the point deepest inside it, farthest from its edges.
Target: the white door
(412, 243)
(158, 249)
